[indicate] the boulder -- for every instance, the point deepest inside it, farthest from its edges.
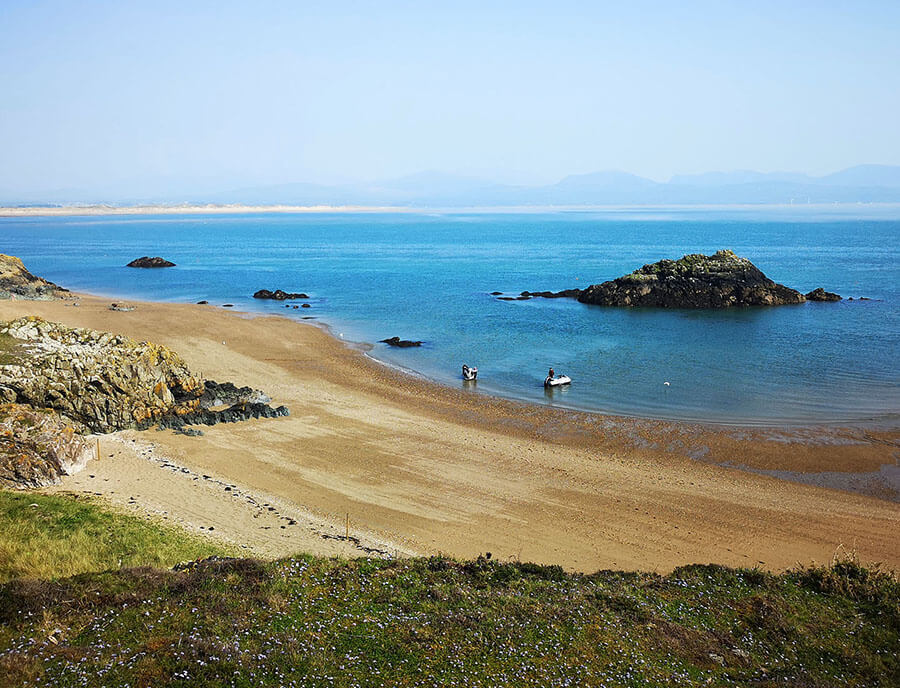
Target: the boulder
(17, 282)
(278, 295)
(722, 280)
(822, 295)
(401, 343)
(37, 446)
(148, 262)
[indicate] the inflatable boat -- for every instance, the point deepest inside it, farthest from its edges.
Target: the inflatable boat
(557, 381)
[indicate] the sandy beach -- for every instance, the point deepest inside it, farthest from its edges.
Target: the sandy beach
(421, 468)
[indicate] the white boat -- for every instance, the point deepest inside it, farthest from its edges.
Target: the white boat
(469, 373)
(557, 381)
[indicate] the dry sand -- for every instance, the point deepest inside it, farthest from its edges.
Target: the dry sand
(422, 468)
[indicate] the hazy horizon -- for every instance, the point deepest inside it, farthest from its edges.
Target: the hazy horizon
(165, 99)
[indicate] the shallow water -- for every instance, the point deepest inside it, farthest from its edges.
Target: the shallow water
(428, 276)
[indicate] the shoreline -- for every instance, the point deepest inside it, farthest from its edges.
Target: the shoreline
(883, 424)
(461, 474)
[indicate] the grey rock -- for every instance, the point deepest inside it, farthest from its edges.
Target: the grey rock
(822, 295)
(148, 262)
(400, 343)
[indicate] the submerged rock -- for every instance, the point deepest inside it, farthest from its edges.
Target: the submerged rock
(17, 282)
(564, 294)
(278, 295)
(822, 295)
(722, 280)
(148, 262)
(401, 343)
(39, 446)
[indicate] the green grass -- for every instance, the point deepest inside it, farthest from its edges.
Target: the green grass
(309, 621)
(63, 536)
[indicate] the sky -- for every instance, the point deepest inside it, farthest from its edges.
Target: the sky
(218, 95)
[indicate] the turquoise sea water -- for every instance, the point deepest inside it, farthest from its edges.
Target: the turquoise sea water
(428, 276)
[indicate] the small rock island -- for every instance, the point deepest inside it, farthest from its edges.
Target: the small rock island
(278, 295)
(148, 262)
(722, 280)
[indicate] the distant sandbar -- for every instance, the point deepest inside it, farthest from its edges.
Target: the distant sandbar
(211, 209)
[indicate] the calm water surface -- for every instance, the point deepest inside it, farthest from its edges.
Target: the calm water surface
(428, 277)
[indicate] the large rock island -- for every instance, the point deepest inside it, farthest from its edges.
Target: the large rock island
(722, 280)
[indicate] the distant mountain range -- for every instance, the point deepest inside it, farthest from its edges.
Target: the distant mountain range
(861, 184)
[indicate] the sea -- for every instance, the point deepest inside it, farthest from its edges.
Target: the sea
(429, 276)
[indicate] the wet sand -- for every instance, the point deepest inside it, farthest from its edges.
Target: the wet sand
(424, 468)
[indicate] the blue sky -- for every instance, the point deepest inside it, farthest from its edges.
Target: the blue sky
(222, 94)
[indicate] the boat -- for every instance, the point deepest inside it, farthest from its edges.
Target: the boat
(469, 373)
(557, 381)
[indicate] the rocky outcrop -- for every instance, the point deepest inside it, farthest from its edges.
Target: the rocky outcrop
(106, 381)
(109, 382)
(278, 295)
(148, 262)
(400, 343)
(722, 280)
(822, 295)
(38, 446)
(17, 282)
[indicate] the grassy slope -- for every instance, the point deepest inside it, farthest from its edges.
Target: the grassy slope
(63, 536)
(310, 621)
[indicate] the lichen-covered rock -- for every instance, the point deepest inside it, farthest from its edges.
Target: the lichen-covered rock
(106, 381)
(721, 280)
(17, 282)
(38, 446)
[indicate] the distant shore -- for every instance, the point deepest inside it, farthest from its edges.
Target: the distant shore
(211, 209)
(239, 208)
(432, 468)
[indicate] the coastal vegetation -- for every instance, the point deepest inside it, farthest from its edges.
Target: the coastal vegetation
(54, 536)
(314, 621)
